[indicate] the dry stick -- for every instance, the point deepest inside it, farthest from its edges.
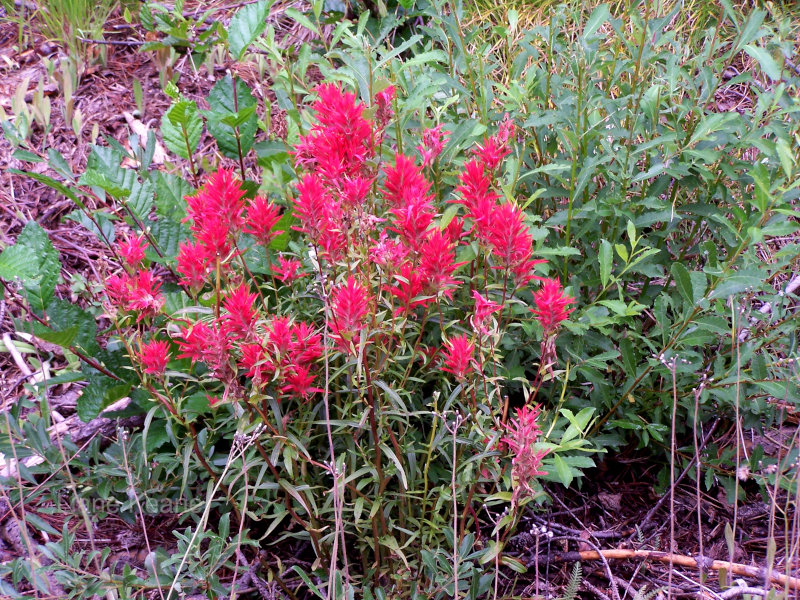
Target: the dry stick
(792, 583)
(649, 516)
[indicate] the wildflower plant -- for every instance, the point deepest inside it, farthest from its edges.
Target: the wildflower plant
(355, 345)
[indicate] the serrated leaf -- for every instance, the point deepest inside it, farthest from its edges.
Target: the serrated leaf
(40, 275)
(181, 127)
(65, 318)
(168, 235)
(140, 202)
(170, 193)
(97, 180)
(101, 392)
(246, 25)
(223, 106)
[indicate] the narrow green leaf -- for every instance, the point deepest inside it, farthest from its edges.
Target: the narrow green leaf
(683, 282)
(606, 258)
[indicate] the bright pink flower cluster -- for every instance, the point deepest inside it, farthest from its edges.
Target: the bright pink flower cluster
(526, 464)
(140, 293)
(458, 356)
(217, 215)
(350, 307)
(154, 356)
(551, 305)
(433, 142)
(500, 228)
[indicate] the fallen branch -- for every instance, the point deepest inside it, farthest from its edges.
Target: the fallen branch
(785, 581)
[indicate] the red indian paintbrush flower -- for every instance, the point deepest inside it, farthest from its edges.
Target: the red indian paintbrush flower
(409, 285)
(262, 216)
(433, 142)
(144, 294)
(340, 143)
(217, 212)
(240, 316)
(154, 356)
(457, 354)
(551, 305)
(477, 196)
(511, 242)
(194, 264)
(117, 287)
(404, 182)
(349, 310)
(286, 270)
(526, 461)
(484, 308)
(437, 263)
(132, 248)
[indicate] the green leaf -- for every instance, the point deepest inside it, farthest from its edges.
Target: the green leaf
(67, 320)
(742, 281)
(140, 202)
(600, 15)
(168, 235)
(606, 257)
(563, 470)
(100, 392)
(170, 193)
(246, 25)
(765, 61)
(33, 260)
(223, 106)
(97, 180)
(683, 281)
(181, 127)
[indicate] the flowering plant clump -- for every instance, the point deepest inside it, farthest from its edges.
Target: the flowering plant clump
(341, 345)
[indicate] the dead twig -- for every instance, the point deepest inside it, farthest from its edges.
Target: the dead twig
(779, 579)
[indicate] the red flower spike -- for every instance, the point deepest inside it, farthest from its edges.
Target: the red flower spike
(477, 196)
(511, 242)
(484, 308)
(154, 357)
(383, 101)
(457, 354)
(522, 434)
(404, 182)
(433, 142)
(194, 265)
(286, 270)
(437, 263)
(409, 286)
(117, 287)
(132, 248)
(551, 305)
(256, 363)
(262, 216)
(306, 347)
(339, 145)
(144, 294)
(240, 318)
(279, 337)
(412, 220)
(299, 382)
(388, 253)
(349, 310)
